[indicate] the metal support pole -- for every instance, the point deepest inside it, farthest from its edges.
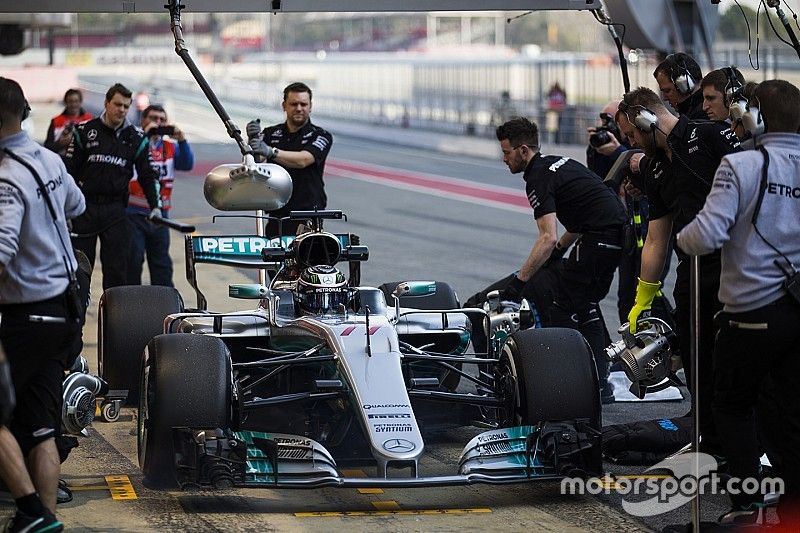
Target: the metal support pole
(695, 354)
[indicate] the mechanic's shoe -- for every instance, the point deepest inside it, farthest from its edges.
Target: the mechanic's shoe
(25, 523)
(607, 393)
(64, 495)
(752, 514)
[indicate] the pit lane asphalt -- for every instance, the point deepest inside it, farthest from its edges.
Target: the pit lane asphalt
(411, 236)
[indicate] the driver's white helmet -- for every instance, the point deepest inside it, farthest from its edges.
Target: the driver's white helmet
(321, 289)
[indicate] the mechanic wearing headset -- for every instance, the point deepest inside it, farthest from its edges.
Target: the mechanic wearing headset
(683, 155)
(301, 148)
(40, 328)
(102, 157)
(718, 88)
(752, 213)
(567, 292)
(678, 77)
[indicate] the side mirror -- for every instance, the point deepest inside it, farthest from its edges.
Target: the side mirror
(355, 253)
(415, 288)
(248, 291)
(274, 255)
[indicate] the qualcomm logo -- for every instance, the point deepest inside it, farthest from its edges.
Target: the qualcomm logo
(399, 445)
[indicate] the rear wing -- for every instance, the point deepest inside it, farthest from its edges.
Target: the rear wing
(241, 251)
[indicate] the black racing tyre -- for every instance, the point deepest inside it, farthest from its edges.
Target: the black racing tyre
(444, 297)
(556, 380)
(555, 375)
(185, 381)
(128, 318)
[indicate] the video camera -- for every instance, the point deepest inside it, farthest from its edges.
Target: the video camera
(602, 134)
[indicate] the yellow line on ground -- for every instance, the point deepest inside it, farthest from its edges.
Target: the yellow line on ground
(388, 505)
(75, 488)
(121, 488)
(643, 476)
(401, 512)
(361, 473)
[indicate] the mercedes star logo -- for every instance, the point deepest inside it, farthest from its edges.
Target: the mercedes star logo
(398, 445)
(91, 135)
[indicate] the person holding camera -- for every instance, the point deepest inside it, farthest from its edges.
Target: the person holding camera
(102, 156)
(59, 133)
(683, 156)
(168, 154)
(41, 311)
(301, 148)
(751, 213)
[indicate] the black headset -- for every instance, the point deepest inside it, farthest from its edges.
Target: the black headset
(732, 85)
(679, 73)
(645, 119)
(26, 110)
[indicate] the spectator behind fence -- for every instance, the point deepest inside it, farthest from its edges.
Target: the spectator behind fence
(168, 154)
(556, 105)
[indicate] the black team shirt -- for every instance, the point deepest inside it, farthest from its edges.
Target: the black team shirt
(308, 189)
(578, 197)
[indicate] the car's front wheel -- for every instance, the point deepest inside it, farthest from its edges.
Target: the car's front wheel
(186, 382)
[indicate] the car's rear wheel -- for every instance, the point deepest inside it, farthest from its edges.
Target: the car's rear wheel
(128, 318)
(185, 381)
(443, 298)
(549, 375)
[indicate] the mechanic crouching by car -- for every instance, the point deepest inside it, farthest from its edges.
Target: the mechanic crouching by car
(751, 213)
(566, 292)
(40, 306)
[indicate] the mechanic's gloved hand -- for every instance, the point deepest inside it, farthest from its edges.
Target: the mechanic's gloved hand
(645, 293)
(154, 213)
(264, 150)
(253, 128)
(7, 399)
(513, 291)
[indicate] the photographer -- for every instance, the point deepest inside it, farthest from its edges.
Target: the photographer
(59, 133)
(749, 213)
(168, 155)
(41, 312)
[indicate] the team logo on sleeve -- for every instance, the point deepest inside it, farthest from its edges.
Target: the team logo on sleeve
(320, 142)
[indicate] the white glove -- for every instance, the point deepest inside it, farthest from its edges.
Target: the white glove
(154, 213)
(253, 128)
(263, 149)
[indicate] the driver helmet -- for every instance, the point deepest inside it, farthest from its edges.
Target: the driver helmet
(321, 289)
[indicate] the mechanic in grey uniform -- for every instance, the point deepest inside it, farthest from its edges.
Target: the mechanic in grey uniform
(567, 292)
(752, 213)
(39, 327)
(301, 148)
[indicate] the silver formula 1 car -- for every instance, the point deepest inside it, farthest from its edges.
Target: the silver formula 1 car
(324, 372)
